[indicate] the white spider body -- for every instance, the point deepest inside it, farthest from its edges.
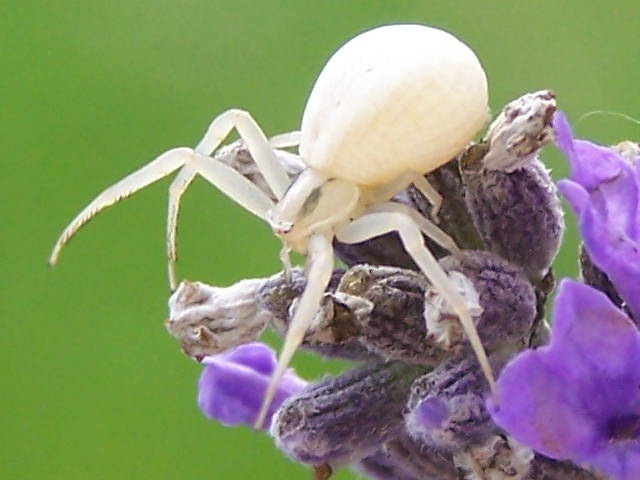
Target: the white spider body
(394, 99)
(391, 105)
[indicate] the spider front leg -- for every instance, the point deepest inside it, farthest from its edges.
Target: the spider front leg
(285, 140)
(430, 193)
(261, 151)
(385, 192)
(318, 269)
(223, 177)
(159, 168)
(257, 143)
(375, 224)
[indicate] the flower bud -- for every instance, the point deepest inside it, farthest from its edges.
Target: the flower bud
(406, 459)
(453, 217)
(521, 129)
(208, 320)
(498, 458)
(507, 299)
(511, 197)
(446, 406)
(342, 419)
(396, 314)
(543, 468)
(333, 333)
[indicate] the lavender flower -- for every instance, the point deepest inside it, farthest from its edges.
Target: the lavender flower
(579, 397)
(414, 409)
(604, 191)
(232, 385)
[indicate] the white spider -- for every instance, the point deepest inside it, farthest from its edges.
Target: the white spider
(391, 105)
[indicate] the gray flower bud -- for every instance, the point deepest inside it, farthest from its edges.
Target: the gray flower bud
(404, 458)
(446, 406)
(543, 468)
(402, 299)
(395, 327)
(396, 314)
(343, 419)
(511, 197)
(454, 217)
(521, 129)
(209, 320)
(333, 333)
(498, 458)
(507, 299)
(380, 466)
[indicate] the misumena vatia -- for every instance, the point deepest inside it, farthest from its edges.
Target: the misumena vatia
(390, 105)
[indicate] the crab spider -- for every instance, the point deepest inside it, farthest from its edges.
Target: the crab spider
(391, 105)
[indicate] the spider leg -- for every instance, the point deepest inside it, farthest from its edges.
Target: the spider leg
(319, 267)
(162, 166)
(374, 224)
(427, 227)
(285, 259)
(388, 190)
(227, 180)
(285, 140)
(176, 190)
(430, 193)
(257, 143)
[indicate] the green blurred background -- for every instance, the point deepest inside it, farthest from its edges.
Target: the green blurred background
(91, 385)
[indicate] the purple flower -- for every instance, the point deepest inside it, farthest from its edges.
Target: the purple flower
(604, 192)
(233, 383)
(579, 397)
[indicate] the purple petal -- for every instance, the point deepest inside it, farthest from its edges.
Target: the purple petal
(579, 397)
(586, 323)
(623, 465)
(604, 192)
(232, 385)
(590, 164)
(577, 196)
(536, 411)
(256, 356)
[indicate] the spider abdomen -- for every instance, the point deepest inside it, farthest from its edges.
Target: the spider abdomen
(394, 99)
